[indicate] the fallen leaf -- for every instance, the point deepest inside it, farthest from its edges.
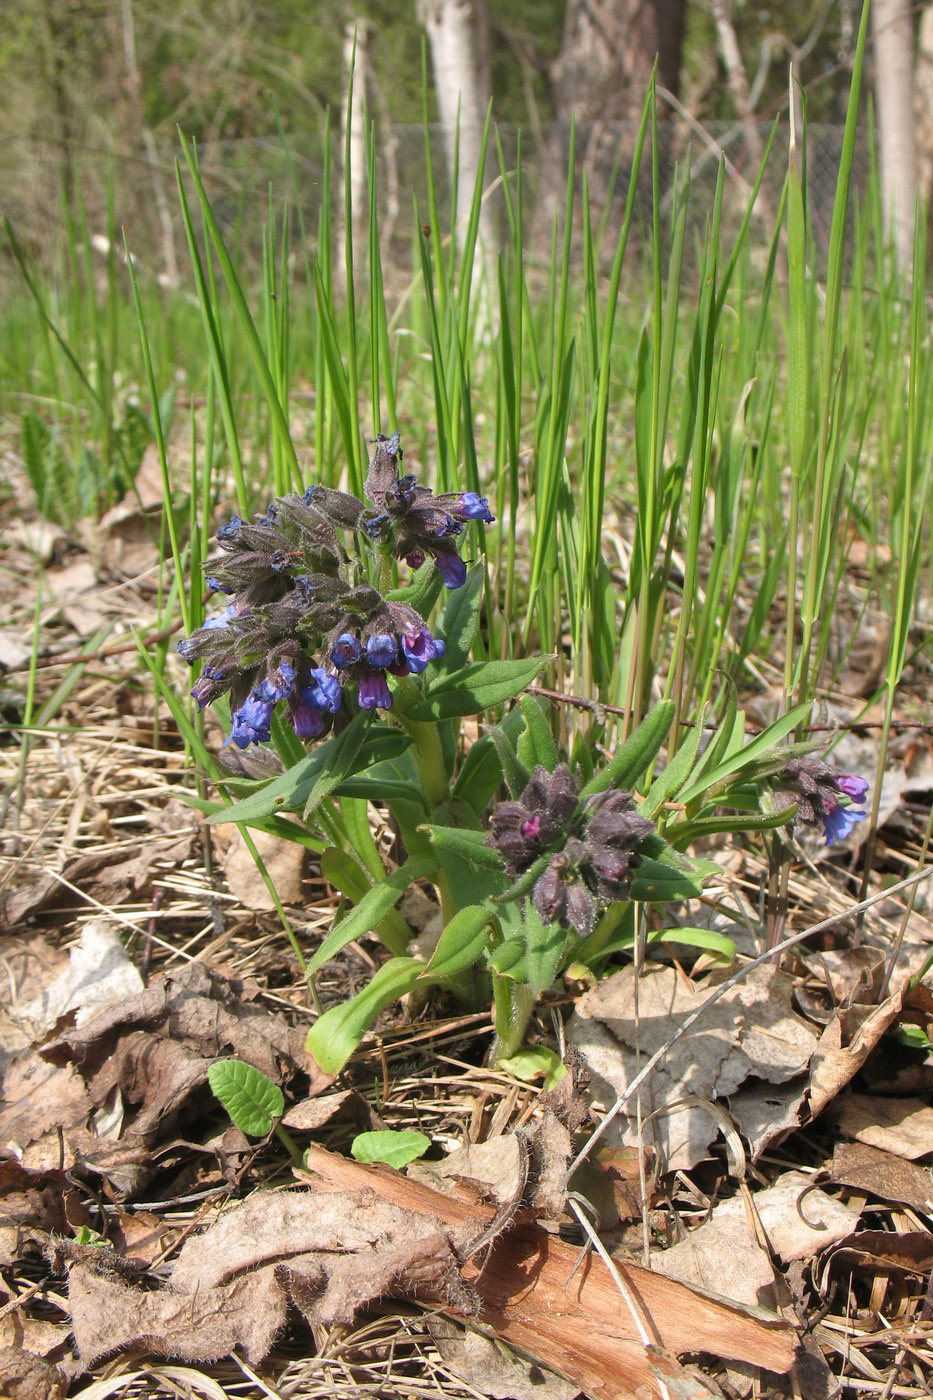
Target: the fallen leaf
(153, 1050)
(310, 1114)
(901, 1126)
(909, 1251)
(99, 974)
(750, 1033)
(844, 1046)
(365, 1232)
(882, 1174)
(284, 861)
(491, 1369)
(27, 1377)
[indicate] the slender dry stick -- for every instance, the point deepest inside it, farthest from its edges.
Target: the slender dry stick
(724, 987)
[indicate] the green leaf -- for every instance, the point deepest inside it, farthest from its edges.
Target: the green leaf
(462, 943)
(253, 1101)
(514, 772)
(704, 938)
(525, 881)
(757, 749)
(481, 773)
(535, 1062)
(474, 688)
(509, 960)
(423, 591)
(335, 1035)
(464, 842)
(310, 780)
(656, 882)
(637, 754)
(374, 905)
(544, 944)
(458, 621)
(395, 1148)
(672, 778)
(536, 745)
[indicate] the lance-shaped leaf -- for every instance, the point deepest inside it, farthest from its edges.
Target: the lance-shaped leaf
(544, 944)
(335, 1035)
(463, 942)
(373, 907)
(637, 754)
(536, 745)
(474, 688)
(470, 845)
(458, 621)
(745, 758)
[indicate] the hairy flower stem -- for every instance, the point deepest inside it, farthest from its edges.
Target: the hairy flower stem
(514, 1003)
(433, 775)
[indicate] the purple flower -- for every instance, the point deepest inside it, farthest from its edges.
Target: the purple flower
(215, 585)
(307, 720)
(421, 649)
(374, 691)
(472, 506)
(852, 785)
(345, 651)
(415, 559)
(230, 532)
(452, 569)
(381, 649)
(840, 821)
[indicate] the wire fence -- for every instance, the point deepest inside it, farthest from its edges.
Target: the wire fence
(52, 197)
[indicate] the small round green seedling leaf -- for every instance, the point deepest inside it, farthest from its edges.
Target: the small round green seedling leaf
(535, 1062)
(397, 1149)
(253, 1101)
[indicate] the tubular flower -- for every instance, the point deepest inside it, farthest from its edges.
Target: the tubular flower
(304, 620)
(822, 795)
(409, 521)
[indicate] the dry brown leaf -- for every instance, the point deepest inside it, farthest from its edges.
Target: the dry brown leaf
(27, 1377)
(310, 1114)
(491, 1369)
(752, 1032)
(152, 1053)
(882, 1174)
(842, 1052)
(109, 881)
(910, 1251)
(903, 1127)
(284, 861)
(99, 974)
(332, 1251)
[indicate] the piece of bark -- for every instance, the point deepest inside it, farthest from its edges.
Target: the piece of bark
(573, 1320)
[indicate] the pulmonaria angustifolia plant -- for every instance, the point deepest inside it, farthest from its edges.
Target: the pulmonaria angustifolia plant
(309, 622)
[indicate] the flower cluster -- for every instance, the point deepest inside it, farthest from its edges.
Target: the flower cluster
(305, 620)
(822, 795)
(593, 846)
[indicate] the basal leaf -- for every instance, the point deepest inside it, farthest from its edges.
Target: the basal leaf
(335, 1035)
(372, 907)
(637, 754)
(462, 943)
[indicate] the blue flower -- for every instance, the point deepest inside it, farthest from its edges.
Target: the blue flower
(230, 532)
(839, 821)
(322, 692)
(307, 720)
(374, 692)
(252, 721)
(472, 506)
(346, 651)
(381, 649)
(421, 649)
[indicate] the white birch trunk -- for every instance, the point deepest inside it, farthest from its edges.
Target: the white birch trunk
(456, 34)
(353, 117)
(894, 98)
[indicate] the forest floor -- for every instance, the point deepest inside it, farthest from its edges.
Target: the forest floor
(150, 1249)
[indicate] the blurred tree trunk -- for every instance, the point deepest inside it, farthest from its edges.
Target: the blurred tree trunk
(894, 73)
(601, 73)
(457, 34)
(923, 89)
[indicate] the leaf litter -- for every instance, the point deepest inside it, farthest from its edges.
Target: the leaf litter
(107, 1106)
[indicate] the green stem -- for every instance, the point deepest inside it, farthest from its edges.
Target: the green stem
(294, 1151)
(514, 1002)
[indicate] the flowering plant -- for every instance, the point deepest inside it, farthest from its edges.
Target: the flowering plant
(315, 640)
